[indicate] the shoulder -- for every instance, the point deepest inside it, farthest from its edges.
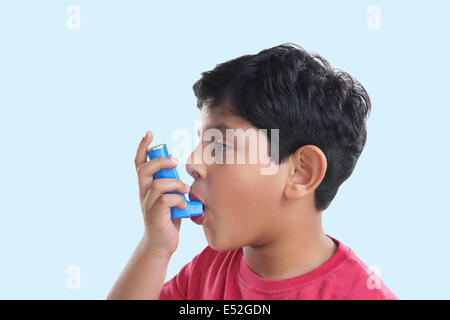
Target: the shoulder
(360, 282)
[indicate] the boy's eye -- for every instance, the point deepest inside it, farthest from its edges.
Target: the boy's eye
(224, 146)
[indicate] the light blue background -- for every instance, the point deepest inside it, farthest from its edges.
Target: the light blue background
(74, 105)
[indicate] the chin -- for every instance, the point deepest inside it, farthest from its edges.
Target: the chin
(223, 245)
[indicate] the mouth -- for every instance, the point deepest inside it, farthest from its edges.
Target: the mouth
(197, 219)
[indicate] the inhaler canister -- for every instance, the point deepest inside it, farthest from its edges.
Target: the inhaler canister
(194, 208)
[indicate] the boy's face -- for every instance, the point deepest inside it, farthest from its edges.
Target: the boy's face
(243, 206)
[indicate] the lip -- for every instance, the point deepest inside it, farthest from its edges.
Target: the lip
(197, 219)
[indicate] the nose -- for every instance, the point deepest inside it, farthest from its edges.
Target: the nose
(194, 163)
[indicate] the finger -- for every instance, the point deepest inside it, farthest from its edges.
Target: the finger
(146, 171)
(162, 206)
(141, 154)
(149, 168)
(161, 186)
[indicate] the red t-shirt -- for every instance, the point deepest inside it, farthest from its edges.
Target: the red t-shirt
(225, 275)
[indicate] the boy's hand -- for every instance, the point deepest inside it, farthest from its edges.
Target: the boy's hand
(161, 232)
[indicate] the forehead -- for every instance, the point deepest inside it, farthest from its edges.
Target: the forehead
(218, 114)
(221, 119)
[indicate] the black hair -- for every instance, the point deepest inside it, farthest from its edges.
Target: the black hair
(299, 93)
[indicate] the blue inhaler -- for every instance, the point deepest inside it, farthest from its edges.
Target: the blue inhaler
(194, 208)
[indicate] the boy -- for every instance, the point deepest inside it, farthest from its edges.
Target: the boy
(264, 230)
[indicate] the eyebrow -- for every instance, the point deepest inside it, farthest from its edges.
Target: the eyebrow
(221, 126)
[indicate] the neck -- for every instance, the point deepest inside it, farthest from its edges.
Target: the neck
(300, 247)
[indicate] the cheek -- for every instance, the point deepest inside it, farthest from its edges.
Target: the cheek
(232, 210)
(234, 186)
(244, 205)
(241, 197)
(242, 190)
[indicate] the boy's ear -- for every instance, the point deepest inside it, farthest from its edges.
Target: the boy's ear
(308, 167)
